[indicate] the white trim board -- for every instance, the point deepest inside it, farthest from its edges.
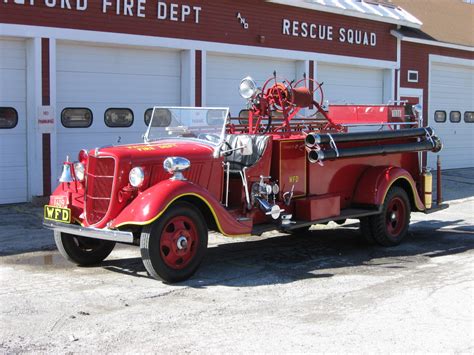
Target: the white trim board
(430, 42)
(165, 42)
(411, 92)
(450, 60)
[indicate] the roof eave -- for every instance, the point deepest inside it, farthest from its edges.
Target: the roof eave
(431, 42)
(351, 13)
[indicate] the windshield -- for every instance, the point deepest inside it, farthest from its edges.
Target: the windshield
(203, 123)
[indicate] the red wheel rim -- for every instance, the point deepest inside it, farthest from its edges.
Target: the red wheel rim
(179, 242)
(395, 216)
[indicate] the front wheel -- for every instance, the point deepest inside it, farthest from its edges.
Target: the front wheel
(82, 251)
(390, 227)
(173, 247)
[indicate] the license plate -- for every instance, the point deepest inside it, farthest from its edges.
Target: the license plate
(59, 201)
(57, 214)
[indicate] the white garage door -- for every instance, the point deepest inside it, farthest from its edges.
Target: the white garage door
(102, 78)
(224, 73)
(452, 90)
(13, 174)
(350, 84)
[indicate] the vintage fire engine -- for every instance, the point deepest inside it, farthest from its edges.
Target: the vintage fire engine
(286, 163)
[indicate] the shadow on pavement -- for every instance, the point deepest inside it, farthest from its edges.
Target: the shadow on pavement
(314, 254)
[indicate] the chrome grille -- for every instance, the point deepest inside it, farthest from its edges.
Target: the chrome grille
(99, 184)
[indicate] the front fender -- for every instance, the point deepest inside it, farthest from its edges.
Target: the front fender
(153, 202)
(375, 182)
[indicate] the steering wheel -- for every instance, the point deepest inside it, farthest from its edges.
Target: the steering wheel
(214, 138)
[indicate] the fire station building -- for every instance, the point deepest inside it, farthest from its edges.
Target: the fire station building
(81, 74)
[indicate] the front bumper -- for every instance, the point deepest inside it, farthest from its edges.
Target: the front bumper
(89, 232)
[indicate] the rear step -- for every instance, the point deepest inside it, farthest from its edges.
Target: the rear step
(437, 208)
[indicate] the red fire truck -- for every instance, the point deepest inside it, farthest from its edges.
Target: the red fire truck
(287, 162)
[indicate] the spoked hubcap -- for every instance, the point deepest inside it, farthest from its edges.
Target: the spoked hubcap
(178, 243)
(396, 216)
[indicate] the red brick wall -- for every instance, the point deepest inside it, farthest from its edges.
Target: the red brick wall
(218, 23)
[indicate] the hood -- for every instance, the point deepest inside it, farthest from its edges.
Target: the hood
(146, 152)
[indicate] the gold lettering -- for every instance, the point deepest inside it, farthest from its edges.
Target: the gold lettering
(49, 212)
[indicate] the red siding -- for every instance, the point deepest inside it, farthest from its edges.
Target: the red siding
(198, 84)
(45, 87)
(218, 23)
(415, 56)
(46, 144)
(46, 100)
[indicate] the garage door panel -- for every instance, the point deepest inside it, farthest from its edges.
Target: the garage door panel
(110, 88)
(13, 184)
(13, 172)
(91, 59)
(224, 73)
(13, 54)
(349, 84)
(100, 78)
(13, 154)
(225, 67)
(12, 89)
(451, 89)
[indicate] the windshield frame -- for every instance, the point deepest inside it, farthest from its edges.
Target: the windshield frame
(147, 139)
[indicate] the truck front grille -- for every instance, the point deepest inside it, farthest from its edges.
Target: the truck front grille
(99, 185)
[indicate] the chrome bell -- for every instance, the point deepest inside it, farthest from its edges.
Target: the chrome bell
(66, 175)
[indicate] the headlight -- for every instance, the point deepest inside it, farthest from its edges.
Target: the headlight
(248, 88)
(136, 176)
(79, 170)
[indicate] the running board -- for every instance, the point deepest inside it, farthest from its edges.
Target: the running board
(345, 214)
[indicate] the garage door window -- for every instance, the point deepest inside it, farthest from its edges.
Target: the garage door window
(76, 117)
(162, 117)
(469, 117)
(118, 117)
(440, 116)
(455, 116)
(8, 117)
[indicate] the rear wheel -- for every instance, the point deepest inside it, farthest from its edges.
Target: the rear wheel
(82, 251)
(173, 247)
(390, 227)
